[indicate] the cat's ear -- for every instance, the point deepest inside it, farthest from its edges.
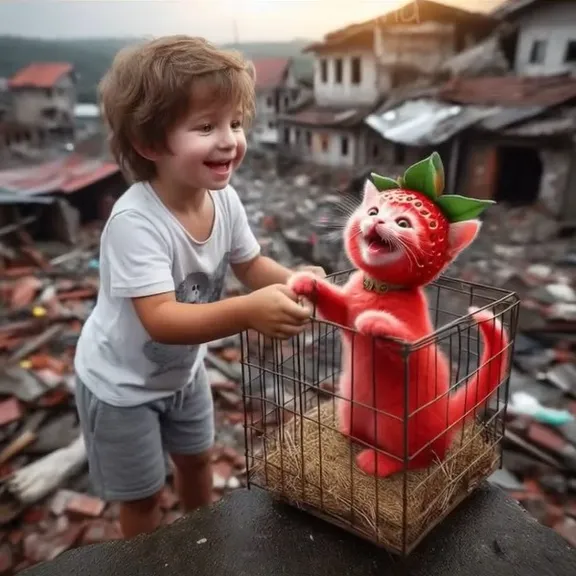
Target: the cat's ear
(461, 235)
(370, 193)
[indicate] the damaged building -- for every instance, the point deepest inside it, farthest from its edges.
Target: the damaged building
(505, 138)
(361, 66)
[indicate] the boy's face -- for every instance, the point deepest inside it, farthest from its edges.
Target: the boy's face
(205, 148)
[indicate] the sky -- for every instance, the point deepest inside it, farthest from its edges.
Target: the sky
(218, 20)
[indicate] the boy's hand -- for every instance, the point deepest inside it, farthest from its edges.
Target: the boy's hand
(274, 312)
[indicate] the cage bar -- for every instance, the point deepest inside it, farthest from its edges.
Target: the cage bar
(296, 451)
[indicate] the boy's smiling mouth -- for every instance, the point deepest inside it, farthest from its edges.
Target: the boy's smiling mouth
(221, 167)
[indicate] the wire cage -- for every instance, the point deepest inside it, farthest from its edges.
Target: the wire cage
(296, 450)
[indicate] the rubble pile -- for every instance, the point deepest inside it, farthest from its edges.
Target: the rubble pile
(48, 289)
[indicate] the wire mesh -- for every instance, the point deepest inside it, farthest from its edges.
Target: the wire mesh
(294, 406)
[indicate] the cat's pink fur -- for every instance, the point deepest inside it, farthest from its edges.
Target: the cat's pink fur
(374, 374)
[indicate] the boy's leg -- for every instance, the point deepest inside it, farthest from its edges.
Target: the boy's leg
(188, 432)
(125, 458)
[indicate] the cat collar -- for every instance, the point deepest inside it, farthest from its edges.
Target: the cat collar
(373, 285)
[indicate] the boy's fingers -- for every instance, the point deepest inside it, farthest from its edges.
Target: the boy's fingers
(296, 311)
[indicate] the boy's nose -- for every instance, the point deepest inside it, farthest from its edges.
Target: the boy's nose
(227, 139)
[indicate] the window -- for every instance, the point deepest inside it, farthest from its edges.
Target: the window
(286, 135)
(538, 52)
(269, 102)
(324, 71)
(297, 136)
(570, 55)
(324, 142)
(271, 125)
(356, 71)
(338, 70)
(344, 146)
(309, 139)
(375, 151)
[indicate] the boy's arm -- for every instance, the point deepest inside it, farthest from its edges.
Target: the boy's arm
(136, 264)
(263, 271)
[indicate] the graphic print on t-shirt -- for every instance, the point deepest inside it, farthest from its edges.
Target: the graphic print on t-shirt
(196, 288)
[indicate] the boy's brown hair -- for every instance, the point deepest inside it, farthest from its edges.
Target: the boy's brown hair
(150, 87)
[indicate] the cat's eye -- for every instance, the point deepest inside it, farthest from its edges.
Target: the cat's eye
(373, 211)
(403, 223)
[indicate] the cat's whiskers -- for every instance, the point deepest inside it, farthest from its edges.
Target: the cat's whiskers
(412, 260)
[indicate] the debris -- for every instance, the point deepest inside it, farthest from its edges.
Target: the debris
(47, 290)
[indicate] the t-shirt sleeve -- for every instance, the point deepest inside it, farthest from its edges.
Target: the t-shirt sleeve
(245, 246)
(137, 256)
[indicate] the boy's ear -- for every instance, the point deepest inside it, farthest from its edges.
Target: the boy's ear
(146, 152)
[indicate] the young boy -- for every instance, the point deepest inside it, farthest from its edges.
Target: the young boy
(176, 108)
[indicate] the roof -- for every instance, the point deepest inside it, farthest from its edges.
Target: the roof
(40, 75)
(511, 91)
(412, 12)
(561, 122)
(68, 174)
(485, 58)
(325, 116)
(513, 8)
(270, 72)
(425, 122)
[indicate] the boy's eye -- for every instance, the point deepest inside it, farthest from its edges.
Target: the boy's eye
(206, 128)
(236, 125)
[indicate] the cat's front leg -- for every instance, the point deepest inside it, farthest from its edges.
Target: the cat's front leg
(328, 298)
(383, 325)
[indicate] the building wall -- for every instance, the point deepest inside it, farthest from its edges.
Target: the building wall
(553, 26)
(45, 107)
(322, 146)
(264, 127)
(274, 101)
(425, 51)
(330, 88)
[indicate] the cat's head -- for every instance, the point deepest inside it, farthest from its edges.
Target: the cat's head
(402, 238)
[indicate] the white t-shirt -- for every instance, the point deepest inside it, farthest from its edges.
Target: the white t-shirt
(144, 250)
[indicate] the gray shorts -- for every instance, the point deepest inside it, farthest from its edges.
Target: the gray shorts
(127, 447)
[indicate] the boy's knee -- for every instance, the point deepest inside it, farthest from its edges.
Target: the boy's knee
(143, 505)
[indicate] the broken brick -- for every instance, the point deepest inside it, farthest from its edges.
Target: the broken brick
(100, 531)
(24, 291)
(10, 411)
(35, 515)
(546, 438)
(223, 468)
(84, 505)
(6, 559)
(567, 529)
(43, 547)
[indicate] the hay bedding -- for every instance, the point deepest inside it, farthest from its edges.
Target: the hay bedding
(349, 496)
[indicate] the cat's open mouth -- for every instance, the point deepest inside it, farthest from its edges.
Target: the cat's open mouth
(377, 244)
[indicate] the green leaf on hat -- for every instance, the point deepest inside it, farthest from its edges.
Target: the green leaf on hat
(426, 176)
(459, 208)
(384, 183)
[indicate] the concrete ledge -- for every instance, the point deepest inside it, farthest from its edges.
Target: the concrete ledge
(248, 534)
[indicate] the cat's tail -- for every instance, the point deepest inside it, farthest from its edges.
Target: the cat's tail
(492, 369)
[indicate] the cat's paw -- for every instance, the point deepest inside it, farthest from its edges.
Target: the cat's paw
(303, 283)
(373, 323)
(375, 464)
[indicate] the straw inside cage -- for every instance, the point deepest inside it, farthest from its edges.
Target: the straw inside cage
(296, 451)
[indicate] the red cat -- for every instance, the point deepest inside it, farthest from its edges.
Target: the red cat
(400, 240)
